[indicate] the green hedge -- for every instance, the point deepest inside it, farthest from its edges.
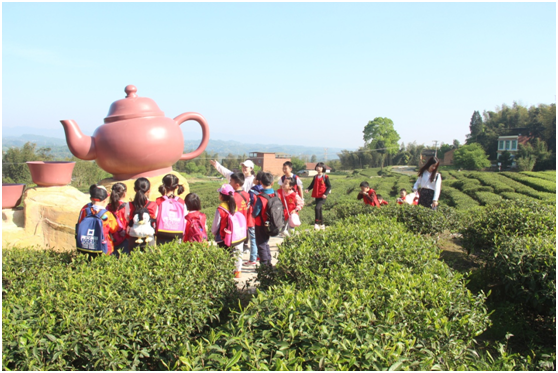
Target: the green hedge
(488, 198)
(507, 219)
(108, 314)
(516, 196)
(491, 179)
(472, 191)
(525, 269)
(367, 294)
(535, 183)
(457, 198)
(542, 175)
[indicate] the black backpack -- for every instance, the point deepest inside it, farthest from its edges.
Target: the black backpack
(275, 216)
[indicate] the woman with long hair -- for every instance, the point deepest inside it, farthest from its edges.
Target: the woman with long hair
(429, 184)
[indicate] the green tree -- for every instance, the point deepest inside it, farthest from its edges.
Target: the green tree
(476, 127)
(87, 173)
(536, 152)
(14, 169)
(298, 164)
(380, 135)
(471, 157)
(505, 159)
(313, 159)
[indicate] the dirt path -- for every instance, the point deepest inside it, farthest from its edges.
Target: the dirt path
(248, 275)
(405, 170)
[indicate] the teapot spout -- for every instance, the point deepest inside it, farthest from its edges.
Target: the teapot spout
(83, 147)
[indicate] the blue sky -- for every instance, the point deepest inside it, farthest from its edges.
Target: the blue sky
(285, 73)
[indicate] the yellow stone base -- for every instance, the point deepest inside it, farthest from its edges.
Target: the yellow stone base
(50, 214)
(49, 219)
(155, 181)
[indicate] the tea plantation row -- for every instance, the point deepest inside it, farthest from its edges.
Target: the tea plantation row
(369, 293)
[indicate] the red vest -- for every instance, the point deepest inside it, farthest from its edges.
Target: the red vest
(374, 202)
(289, 199)
(241, 205)
(319, 187)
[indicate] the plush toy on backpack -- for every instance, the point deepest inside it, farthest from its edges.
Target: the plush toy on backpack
(141, 226)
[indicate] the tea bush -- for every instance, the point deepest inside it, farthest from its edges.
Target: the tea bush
(507, 219)
(535, 183)
(456, 198)
(366, 294)
(542, 175)
(488, 198)
(516, 196)
(525, 267)
(491, 179)
(524, 189)
(109, 314)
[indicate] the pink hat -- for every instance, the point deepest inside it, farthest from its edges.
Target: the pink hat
(226, 189)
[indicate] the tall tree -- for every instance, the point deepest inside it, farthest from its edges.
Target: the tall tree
(476, 127)
(380, 135)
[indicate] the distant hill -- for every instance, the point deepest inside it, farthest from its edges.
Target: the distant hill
(223, 148)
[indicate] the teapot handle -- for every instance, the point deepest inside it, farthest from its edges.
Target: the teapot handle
(205, 133)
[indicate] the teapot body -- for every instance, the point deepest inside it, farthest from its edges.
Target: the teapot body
(136, 139)
(138, 147)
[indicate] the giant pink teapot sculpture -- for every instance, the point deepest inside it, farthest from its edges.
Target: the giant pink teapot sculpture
(136, 139)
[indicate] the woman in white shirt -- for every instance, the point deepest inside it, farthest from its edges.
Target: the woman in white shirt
(247, 170)
(429, 184)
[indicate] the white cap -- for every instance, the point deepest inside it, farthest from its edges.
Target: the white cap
(248, 163)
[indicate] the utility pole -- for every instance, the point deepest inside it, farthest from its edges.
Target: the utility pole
(325, 154)
(436, 148)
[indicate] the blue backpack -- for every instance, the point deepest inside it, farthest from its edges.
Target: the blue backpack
(89, 232)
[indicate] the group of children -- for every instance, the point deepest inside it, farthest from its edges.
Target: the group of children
(369, 196)
(109, 225)
(426, 190)
(267, 212)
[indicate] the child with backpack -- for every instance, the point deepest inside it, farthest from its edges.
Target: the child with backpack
(229, 226)
(292, 204)
(143, 217)
(251, 222)
(288, 172)
(321, 187)
(121, 211)
(95, 225)
(171, 211)
(196, 221)
(269, 218)
(242, 200)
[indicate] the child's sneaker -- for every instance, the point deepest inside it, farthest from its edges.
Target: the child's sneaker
(316, 227)
(249, 263)
(322, 227)
(237, 274)
(258, 259)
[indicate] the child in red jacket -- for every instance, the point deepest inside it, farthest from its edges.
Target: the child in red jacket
(196, 221)
(368, 195)
(381, 201)
(320, 187)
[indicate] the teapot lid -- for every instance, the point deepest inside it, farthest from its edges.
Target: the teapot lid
(133, 107)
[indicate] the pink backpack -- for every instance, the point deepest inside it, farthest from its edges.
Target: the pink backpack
(236, 231)
(171, 216)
